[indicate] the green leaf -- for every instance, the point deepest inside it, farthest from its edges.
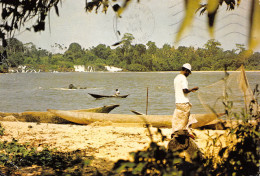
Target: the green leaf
(211, 21)
(254, 35)
(191, 8)
(139, 168)
(213, 5)
(56, 9)
(125, 5)
(124, 165)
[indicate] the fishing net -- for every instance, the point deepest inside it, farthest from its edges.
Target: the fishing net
(230, 94)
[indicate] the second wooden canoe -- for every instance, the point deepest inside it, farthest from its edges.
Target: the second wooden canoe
(107, 96)
(48, 117)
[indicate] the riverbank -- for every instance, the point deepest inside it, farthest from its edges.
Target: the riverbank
(193, 71)
(103, 143)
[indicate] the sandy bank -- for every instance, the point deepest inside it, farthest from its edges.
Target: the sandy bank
(106, 142)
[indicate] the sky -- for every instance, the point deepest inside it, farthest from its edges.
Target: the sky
(150, 20)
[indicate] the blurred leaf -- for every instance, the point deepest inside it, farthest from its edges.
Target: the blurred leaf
(222, 151)
(212, 5)
(254, 34)
(125, 5)
(105, 6)
(138, 169)
(56, 9)
(122, 165)
(212, 11)
(116, 7)
(238, 2)
(4, 43)
(191, 7)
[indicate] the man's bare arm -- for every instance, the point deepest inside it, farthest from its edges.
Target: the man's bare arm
(190, 90)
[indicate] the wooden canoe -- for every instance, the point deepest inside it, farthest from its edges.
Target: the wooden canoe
(107, 96)
(48, 117)
(86, 118)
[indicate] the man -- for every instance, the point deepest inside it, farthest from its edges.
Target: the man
(71, 86)
(182, 111)
(117, 93)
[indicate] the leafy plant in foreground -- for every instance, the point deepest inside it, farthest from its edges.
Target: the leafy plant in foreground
(15, 155)
(1, 130)
(243, 157)
(155, 160)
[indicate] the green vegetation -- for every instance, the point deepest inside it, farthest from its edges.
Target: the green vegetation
(14, 156)
(130, 57)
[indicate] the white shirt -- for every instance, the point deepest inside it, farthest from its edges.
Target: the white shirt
(117, 93)
(180, 83)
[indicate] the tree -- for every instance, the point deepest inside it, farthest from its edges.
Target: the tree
(74, 47)
(151, 47)
(14, 46)
(254, 62)
(16, 13)
(102, 51)
(15, 50)
(126, 41)
(74, 52)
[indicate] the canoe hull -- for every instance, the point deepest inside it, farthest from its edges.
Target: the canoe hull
(48, 117)
(162, 121)
(107, 96)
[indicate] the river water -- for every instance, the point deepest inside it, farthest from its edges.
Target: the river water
(21, 92)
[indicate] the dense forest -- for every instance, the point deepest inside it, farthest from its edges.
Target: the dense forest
(129, 57)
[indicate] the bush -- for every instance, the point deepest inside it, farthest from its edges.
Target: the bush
(1, 130)
(14, 155)
(243, 157)
(239, 159)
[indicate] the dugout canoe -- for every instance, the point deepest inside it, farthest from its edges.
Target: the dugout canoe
(107, 96)
(165, 121)
(48, 117)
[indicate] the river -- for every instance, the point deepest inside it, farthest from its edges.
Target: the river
(21, 92)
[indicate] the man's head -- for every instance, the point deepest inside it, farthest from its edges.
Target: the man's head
(186, 69)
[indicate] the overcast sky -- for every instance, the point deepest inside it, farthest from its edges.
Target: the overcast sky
(152, 20)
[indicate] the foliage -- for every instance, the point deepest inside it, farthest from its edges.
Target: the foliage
(155, 160)
(239, 159)
(1, 130)
(16, 14)
(130, 57)
(243, 158)
(14, 155)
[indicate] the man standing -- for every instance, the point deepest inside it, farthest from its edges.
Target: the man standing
(182, 111)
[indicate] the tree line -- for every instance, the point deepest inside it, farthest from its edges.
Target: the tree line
(130, 57)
